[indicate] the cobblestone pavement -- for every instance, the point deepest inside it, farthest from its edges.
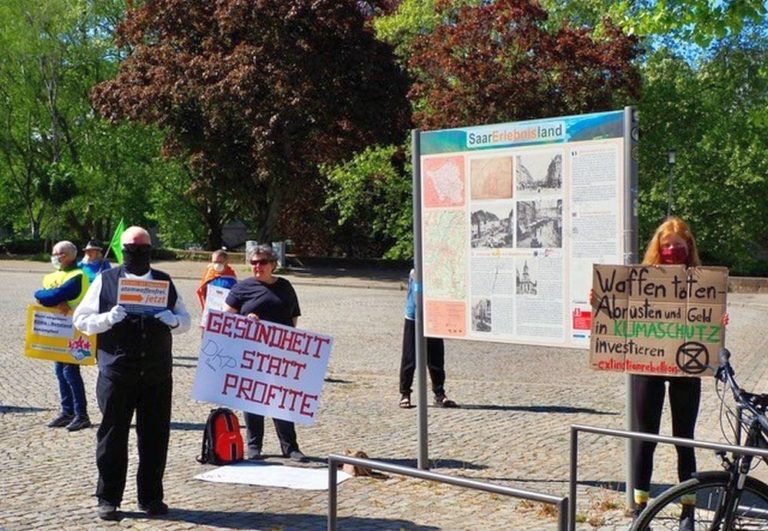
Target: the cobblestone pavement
(518, 403)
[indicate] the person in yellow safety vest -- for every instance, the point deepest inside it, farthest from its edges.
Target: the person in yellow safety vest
(64, 289)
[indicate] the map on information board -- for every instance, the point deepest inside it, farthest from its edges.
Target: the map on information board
(513, 218)
(444, 181)
(446, 251)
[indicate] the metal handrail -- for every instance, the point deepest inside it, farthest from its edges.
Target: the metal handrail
(333, 460)
(635, 435)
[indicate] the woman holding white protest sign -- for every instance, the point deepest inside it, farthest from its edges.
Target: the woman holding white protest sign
(271, 298)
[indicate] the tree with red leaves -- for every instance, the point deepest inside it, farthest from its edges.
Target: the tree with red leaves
(253, 94)
(498, 62)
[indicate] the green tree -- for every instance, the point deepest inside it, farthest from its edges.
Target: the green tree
(372, 194)
(175, 211)
(714, 116)
(35, 132)
(413, 18)
(124, 178)
(684, 21)
(69, 174)
(698, 21)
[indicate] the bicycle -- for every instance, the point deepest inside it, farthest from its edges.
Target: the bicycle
(724, 500)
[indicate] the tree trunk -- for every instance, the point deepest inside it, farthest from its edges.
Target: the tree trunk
(269, 230)
(77, 226)
(213, 227)
(213, 238)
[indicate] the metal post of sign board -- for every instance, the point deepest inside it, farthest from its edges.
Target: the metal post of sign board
(421, 342)
(631, 144)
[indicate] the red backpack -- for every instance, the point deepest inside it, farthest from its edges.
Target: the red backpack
(222, 441)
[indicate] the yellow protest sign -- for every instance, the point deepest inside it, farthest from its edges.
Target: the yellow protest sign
(50, 335)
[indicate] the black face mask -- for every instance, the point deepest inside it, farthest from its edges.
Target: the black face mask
(136, 258)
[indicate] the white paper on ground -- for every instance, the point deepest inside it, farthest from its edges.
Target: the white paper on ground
(272, 475)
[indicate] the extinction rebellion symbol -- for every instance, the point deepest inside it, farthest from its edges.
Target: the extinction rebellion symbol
(692, 358)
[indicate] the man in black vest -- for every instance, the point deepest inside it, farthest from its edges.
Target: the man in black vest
(135, 361)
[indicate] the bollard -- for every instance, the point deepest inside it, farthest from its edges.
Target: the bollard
(250, 245)
(279, 248)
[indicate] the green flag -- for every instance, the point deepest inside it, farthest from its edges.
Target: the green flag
(114, 244)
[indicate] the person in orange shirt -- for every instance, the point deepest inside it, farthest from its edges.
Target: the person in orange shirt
(217, 273)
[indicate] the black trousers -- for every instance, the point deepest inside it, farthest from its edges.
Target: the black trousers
(286, 433)
(684, 398)
(435, 360)
(117, 402)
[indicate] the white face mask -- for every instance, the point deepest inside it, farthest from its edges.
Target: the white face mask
(55, 262)
(91, 258)
(218, 267)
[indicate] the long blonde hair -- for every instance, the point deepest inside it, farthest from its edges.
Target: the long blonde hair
(672, 225)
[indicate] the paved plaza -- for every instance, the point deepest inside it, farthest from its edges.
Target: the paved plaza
(518, 403)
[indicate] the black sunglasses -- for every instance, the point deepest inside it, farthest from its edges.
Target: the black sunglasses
(136, 247)
(263, 261)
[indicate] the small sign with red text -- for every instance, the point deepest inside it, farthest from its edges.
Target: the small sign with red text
(142, 297)
(581, 319)
(261, 367)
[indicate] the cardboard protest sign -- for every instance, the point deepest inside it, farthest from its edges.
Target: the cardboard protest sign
(215, 297)
(50, 335)
(261, 367)
(659, 320)
(142, 297)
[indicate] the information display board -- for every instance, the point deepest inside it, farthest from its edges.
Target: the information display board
(513, 218)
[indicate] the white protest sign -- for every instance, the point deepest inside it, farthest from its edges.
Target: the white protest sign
(50, 324)
(143, 297)
(261, 367)
(215, 298)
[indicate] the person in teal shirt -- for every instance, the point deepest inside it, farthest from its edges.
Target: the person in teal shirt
(435, 356)
(93, 262)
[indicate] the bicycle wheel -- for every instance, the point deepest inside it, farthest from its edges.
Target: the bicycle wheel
(707, 489)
